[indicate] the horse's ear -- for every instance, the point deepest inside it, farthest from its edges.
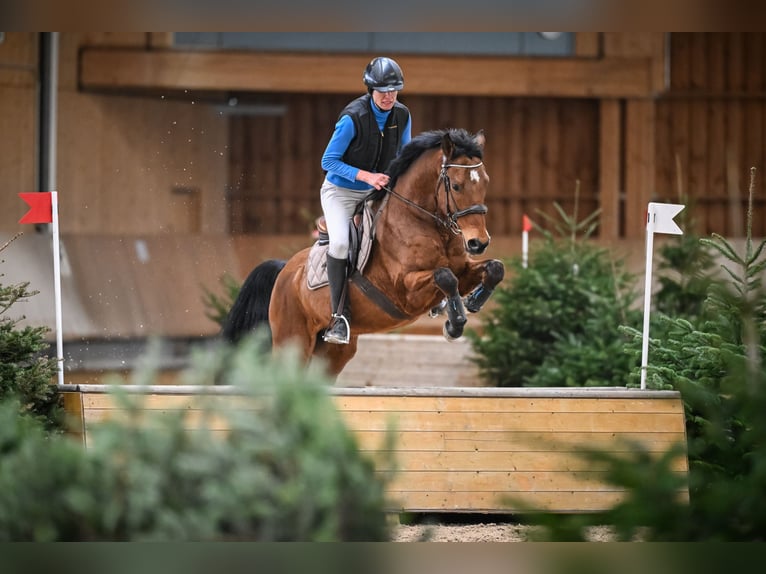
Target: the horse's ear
(447, 146)
(480, 139)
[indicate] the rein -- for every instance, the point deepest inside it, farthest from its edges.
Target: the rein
(450, 222)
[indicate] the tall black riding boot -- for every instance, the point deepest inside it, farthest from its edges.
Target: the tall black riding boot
(338, 331)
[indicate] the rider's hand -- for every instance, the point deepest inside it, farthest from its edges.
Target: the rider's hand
(376, 180)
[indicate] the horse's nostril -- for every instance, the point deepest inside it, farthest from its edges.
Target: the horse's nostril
(476, 246)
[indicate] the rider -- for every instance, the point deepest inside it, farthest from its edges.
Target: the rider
(369, 133)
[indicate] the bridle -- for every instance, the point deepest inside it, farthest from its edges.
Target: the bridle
(450, 222)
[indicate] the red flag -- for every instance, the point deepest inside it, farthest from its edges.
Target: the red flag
(526, 224)
(41, 207)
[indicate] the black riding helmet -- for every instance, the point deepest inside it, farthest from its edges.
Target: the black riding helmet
(383, 74)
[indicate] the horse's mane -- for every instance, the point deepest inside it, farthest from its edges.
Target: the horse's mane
(464, 142)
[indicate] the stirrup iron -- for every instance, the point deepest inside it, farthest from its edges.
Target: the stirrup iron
(332, 337)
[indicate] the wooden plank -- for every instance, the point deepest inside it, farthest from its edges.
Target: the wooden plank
(571, 422)
(516, 441)
(533, 144)
(186, 402)
(517, 174)
(552, 157)
(566, 502)
(17, 155)
(736, 77)
(660, 53)
(680, 61)
(285, 72)
(715, 165)
(406, 408)
(510, 483)
(610, 167)
(160, 39)
(543, 461)
(717, 62)
(196, 420)
(18, 60)
(697, 167)
(754, 63)
(699, 62)
(401, 403)
(588, 44)
(74, 412)
(405, 404)
(497, 120)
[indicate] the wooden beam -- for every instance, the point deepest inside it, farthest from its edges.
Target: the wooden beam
(224, 71)
(588, 44)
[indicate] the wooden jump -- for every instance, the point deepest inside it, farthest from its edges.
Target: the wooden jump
(465, 449)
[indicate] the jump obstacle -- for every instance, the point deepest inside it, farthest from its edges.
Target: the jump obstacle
(463, 449)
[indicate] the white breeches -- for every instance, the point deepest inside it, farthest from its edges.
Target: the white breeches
(338, 205)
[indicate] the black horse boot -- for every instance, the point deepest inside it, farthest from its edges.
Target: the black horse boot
(338, 331)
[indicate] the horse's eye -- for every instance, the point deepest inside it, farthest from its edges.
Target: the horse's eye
(455, 187)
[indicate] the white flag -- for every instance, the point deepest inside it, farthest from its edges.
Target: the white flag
(659, 218)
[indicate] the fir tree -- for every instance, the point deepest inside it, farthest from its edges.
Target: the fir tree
(556, 322)
(26, 373)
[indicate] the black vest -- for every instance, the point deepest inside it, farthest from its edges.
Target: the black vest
(370, 150)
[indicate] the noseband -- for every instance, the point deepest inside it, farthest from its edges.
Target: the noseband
(453, 216)
(450, 222)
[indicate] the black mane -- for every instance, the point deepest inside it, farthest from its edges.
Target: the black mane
(464, 143)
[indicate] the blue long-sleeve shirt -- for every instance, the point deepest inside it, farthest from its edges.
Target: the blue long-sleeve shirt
(341, 173)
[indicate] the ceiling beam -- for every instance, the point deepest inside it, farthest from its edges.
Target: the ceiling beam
(233, 71)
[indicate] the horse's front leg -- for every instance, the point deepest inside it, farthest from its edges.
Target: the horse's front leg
(446, 280)
(481, 277)
(491, 273)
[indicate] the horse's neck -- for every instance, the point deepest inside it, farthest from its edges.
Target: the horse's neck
(400, 222)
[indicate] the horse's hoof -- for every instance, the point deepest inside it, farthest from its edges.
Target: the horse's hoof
(449, 333)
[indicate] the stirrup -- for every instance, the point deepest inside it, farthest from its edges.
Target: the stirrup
(330, 336)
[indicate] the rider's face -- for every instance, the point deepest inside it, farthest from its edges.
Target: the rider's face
(384, 100)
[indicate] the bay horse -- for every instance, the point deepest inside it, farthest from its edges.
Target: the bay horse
(430, 225)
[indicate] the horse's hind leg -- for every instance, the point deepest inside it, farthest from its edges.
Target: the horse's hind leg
(336, 356)
(456, 317)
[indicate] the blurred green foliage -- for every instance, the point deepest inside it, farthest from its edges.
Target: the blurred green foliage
(556, 322)
(26, 372)
(286, 470)
(714, 357)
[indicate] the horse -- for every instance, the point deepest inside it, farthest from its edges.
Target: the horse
(429, 229)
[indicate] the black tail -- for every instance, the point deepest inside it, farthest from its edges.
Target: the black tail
(251, 308)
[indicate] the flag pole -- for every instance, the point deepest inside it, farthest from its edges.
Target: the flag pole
(526, 226)
(647, 295)
(57, 286)
(659, 219)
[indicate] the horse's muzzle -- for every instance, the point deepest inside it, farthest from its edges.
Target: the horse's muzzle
(476, 246)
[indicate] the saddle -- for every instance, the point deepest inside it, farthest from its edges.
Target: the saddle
(361, 232)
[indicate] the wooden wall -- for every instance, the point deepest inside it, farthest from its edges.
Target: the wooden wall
(467, 450)
(18, 77)
(537, 148)
(145, 164)
(142, 152)
(711, 128)
(695, 135)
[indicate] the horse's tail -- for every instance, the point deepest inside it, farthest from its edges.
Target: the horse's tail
(251, 307)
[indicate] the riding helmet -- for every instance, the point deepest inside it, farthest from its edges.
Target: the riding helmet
(384, 75)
